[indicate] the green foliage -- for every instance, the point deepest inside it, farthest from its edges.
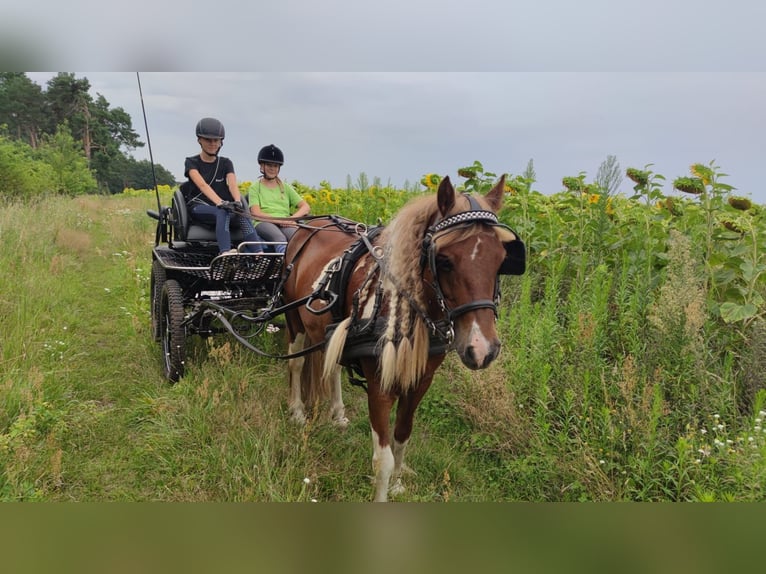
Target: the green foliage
(70, 168)
(104, 135)
(21, 174)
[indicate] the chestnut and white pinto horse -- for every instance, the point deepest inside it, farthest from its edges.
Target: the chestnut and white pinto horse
(390, 306)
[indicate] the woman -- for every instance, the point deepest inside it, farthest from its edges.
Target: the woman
(272, 200)
(212, 191)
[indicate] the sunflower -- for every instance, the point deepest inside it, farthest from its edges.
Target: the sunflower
(741, 203)
(638, 176)
(692, 185)
(702, 172)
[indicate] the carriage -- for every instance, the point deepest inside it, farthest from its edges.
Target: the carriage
(194, 291)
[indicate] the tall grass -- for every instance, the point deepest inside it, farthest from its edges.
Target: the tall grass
(618, 379)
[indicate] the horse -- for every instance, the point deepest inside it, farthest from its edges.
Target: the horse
(388, 303)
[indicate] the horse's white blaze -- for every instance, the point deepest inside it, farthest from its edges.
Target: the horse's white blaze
(382, 467)
(475, 251)
(481, 345)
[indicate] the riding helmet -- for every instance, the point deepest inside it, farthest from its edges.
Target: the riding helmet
(210, 128)
(271, 154)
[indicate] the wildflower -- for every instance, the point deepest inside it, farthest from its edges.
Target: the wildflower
(307, 480)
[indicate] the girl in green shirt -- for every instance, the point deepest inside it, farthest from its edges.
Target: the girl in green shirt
(274, 202)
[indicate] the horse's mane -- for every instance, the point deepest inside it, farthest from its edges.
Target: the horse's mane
(404, 344)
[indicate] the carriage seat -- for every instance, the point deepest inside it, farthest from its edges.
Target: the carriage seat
(186, 228)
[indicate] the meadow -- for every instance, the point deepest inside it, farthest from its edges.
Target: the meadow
(633, 365)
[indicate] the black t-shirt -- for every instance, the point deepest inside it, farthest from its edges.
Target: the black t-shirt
(213, 173)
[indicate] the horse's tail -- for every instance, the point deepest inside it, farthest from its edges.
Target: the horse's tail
(334, 350)
(313, 386)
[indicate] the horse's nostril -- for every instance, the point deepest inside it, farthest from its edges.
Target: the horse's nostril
(494, 351)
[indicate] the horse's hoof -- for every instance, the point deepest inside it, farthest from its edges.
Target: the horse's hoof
(397, 488)
(341, 422)
(298, 418)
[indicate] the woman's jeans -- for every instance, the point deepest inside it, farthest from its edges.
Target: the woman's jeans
(270, 232)
(223, 220)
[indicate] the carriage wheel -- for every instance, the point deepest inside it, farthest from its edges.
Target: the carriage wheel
(155, 290)
(172, 331)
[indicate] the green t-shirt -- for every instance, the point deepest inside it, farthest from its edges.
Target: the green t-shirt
(280, 201)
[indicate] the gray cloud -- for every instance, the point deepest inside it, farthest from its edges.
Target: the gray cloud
(399, 126)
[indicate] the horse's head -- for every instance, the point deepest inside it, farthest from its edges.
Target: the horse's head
(467, 248)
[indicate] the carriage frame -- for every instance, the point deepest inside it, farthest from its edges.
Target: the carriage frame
(195, 291)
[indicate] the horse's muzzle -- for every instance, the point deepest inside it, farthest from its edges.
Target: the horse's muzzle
(480, 356)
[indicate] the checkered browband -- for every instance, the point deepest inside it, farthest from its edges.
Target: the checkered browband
(465, 217)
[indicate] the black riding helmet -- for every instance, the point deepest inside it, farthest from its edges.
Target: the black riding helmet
(271, 154)
(210, 128)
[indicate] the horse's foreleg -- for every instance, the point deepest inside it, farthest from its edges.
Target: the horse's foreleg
(398, 450)
(405, 414)
(337, 409)
(382, 455)
(294, 368)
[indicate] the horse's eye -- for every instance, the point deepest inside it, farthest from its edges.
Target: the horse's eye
(443, 263)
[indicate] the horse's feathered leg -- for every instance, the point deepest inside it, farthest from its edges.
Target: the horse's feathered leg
(405, 414)
(294, 368)
(337, 408)
(379, 405)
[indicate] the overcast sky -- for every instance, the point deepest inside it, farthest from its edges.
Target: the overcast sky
(667, 82)
(400, 126)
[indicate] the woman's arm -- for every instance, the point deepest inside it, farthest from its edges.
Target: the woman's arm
(200, 182)
(231, 181)
(303, 209)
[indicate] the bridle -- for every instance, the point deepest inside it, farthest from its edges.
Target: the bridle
(445, 327)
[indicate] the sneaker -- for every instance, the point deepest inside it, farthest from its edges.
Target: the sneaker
(229, 252)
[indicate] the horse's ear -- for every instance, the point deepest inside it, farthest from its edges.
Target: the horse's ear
(445, 197)
(496, 194)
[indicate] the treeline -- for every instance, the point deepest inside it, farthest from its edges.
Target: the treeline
(61, 139)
